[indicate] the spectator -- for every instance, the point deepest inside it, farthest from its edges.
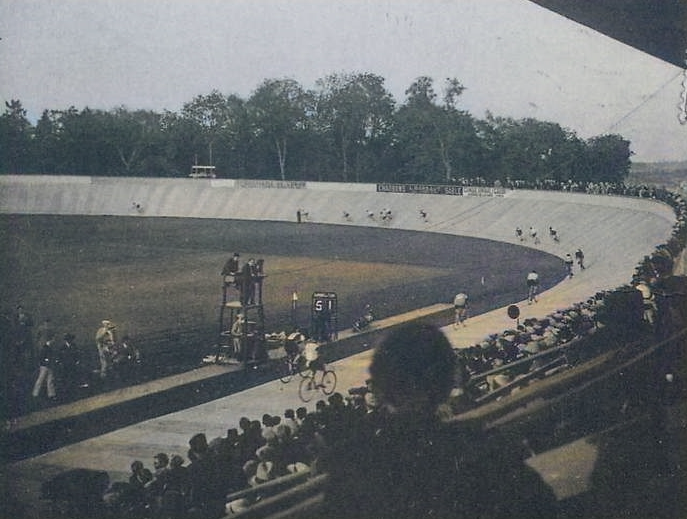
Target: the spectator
(237, 335)
(136, 495)
(174, 495)
(290, 421)
(411, 464)
(140, 475)
(104, 342)
(70, 373)
(23, 354)
(125, 360)
(270, 466)
(301, 414)
(268, 429)
(207, 492)
(371, 403)
(156, 486)
(43, 330)
(579, 257)
(289, 454)
(46, 371)
(648, 302)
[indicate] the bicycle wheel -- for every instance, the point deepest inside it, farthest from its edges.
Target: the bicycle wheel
(285, 371)
(328, 382)
(307, 389)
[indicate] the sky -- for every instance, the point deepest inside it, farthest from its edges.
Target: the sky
(515, 58)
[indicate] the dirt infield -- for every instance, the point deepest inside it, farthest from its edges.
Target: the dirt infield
(158, 278)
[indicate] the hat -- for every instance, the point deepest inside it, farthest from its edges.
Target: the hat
(164, 459)
(109, 324)
(198, 442)
(299, 466)
(264, 471)
(69, 337)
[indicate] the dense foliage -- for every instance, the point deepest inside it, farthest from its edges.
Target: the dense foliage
(349, 128)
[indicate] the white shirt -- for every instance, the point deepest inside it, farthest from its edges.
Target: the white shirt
(460, 300)
(311, 352)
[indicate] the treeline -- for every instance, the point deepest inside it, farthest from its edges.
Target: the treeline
(349, 129)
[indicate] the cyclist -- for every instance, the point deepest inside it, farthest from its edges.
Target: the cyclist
(532, 286)
(568, 265)
(312, 357)
(460, 305)
(293, 345)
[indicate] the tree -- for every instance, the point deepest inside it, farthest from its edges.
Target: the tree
(531, 150)
(181, 138)
(134, 136)
(354, 113)
(608, 158)
(83, 143)
(432, 139)
(210, 113)
(47, 142)
(279, 109)
(15, 139)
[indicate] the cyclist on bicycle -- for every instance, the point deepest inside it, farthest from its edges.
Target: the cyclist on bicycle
(532, 286)
(312, 357)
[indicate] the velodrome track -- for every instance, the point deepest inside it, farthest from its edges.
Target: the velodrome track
(616, 233)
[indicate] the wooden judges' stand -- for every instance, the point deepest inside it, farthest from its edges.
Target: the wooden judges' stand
(247, 345)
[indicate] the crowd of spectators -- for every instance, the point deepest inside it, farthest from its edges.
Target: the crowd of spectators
(251, 454)
(530, 338)
(570, 186)
(407, 404)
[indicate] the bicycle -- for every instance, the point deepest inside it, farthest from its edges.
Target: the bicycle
(312, 383)
(291, 366)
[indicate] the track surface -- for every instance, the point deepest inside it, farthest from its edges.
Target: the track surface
(155, 276)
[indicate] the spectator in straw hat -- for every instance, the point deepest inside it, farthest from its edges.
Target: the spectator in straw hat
(104, 342)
